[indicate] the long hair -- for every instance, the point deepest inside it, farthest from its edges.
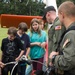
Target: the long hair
(31, 28)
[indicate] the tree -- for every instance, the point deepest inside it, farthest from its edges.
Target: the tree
(23, 7)
(60, 1)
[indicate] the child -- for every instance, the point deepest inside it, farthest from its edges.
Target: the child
(12, 50)
(21, 34)
(38, 40)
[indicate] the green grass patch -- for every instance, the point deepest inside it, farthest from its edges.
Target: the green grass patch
(3, 34)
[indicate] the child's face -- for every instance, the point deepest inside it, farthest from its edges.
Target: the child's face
(21, 32)
(35, 26)
(11, 37)
(41, 25)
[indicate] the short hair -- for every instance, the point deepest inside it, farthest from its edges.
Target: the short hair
(23, 26)
(12, 30)
(68, 8)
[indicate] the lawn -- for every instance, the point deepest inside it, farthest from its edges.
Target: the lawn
(3, 34)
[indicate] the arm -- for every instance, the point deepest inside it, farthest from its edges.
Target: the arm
(28, 47)
(20, 46)
(28, 51)
(35, 43)
(43, 44)
(38, 44)
(66, 61)
(2, 64)
(21, 53)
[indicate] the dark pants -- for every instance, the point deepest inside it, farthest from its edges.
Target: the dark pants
(67, 73)
(21, 69)
(7, 69)
(37, 66)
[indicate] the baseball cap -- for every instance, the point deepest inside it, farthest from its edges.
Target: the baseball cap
(49, 8)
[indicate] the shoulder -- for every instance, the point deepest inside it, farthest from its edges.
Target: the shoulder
(29, 33)
(57, 25)
(43, 32)
(17, 35)
(69, 39)
(26, 36)
(56, 21)
(17, 39)
(5, 39)
(70, 33)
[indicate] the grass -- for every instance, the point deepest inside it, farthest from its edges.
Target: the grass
(3, 34)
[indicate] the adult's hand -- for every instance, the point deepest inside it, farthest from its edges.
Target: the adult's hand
(53, 53)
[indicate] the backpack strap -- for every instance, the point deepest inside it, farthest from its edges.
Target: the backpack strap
(71, 28)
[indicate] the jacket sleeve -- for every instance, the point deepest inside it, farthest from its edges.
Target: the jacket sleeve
(59, 30)
(67, 60)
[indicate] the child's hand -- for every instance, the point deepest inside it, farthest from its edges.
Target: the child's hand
(2, 64)
(38, 43)
(43, 45)
(17, 59)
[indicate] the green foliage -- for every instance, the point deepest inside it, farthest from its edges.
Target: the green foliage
(3, 34)
(26, 7)
(61, 1)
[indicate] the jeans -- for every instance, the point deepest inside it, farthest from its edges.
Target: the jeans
(28, 70)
